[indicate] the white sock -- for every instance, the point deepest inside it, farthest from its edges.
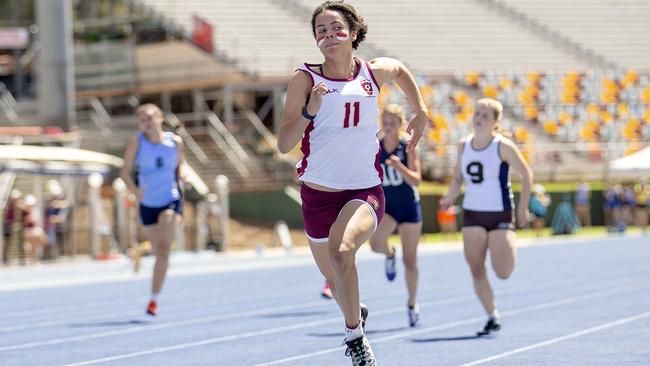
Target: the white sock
(154, 297)
(352, 334)
(495, 315)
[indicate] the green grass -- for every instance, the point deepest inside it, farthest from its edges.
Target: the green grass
(439, 238)
(427, 188)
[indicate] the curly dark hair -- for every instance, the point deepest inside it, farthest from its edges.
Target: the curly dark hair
(355, 21)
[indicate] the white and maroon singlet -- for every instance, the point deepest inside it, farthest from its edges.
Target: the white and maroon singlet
(340, 145)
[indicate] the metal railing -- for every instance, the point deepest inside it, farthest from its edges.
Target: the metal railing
(173, 120)
(7, 104)
(100, 116)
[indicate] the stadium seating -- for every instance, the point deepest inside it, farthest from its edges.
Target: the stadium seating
(276, 37)
(617, 30)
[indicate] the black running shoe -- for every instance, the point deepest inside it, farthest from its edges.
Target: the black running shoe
(364, 315)
(360, 352)
(492, 325)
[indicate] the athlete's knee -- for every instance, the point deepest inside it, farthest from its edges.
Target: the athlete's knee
(342, 257)
(478, 271)
(504, 273)
(163, 250)
(375, 245)
(411, 264)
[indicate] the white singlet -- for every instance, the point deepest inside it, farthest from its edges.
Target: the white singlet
(340, 145)
(486, 177)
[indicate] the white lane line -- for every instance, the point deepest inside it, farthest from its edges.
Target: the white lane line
(315, 323)
(203, 320)
(102, 305)
(560, 339)
(194, 304)
(518, 311)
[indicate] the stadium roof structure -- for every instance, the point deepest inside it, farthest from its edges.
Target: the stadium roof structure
(55, 160)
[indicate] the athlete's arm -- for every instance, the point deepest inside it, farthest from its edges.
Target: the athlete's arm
(180, 173)
(127, 166)
(453, 191)
(411, 172)
(511, 155)
(293, 123)
(388, 69)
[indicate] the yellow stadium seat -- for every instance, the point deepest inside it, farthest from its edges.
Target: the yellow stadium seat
(565, 118)
(460, 97)
(531, 112)
(521, 135)
(550, 127)
(645, 95)
(593, 110)
(505, 84)
(630, 78)
(534, 77)
(606, 117)
(472, 78)
(490, 91)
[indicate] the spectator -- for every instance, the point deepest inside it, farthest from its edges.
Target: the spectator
(642, 195)
(609, 205)
(54, 216)
(629, 204)
(539, 202)
(9, 219)
(583, 203)
(35, 237)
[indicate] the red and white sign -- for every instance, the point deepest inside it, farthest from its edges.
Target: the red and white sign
(14, 37)
(202, 32)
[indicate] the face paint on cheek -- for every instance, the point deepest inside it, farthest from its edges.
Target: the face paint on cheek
(320, 41)
(342, 36)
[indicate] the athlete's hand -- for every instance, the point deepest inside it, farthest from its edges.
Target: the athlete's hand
(392, 160)
(139, 195)
(316, 98)
(522, 216)
(445, 202)
(415, 128)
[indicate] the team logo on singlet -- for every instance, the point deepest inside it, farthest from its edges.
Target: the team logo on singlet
(372, 200)
(367, 86)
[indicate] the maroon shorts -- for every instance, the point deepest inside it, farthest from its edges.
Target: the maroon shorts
(320, 209)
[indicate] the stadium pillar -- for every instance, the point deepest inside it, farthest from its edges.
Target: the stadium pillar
(17, 54)
(56, 83)
(228, 105)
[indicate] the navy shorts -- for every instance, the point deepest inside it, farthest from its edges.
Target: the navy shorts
(404, 212)
(149, 215)
(489, 220)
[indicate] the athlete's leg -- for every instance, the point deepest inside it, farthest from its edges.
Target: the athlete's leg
(503, 252)
(379, 240)
(409, 233)
(354, 225)
(475, 245)
(162, 235)
(321, 253)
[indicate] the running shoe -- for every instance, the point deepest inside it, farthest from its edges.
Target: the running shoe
(152, 308)
(326, 292)
(360, 352)
(492, 325)
(414, 316)
(364, 315)
(391, 270)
